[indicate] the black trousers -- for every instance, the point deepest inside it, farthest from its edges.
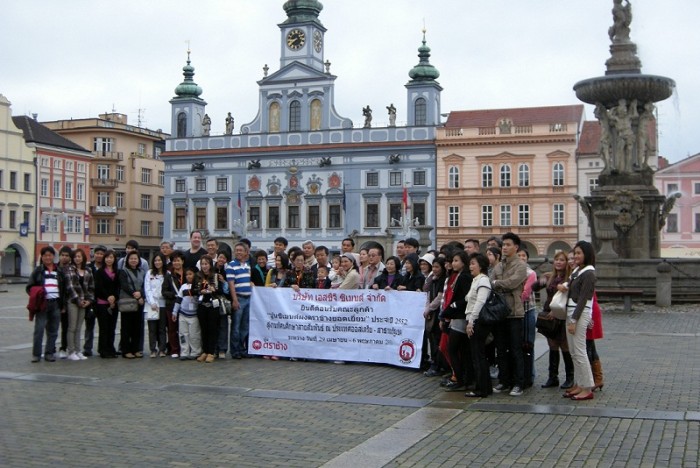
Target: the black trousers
(107, 321)
(460, 357)
(132, 331)
(209, 323)
(482, 378)
(509, 343)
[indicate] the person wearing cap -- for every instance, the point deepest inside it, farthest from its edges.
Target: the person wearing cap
(98, 255)
(349, 272)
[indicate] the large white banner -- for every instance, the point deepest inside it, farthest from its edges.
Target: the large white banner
(348, 325)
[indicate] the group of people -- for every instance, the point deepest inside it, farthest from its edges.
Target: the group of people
(473, 352)
(196, 304)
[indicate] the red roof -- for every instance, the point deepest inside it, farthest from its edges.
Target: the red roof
(519, 116)
(590, 137)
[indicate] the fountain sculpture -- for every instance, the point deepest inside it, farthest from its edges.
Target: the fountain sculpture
(626, 211)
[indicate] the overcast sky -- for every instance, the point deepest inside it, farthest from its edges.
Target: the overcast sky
(78, 58)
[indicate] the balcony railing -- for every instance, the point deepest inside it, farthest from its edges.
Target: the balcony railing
(113, 155)
(103, 210)
(103, 183)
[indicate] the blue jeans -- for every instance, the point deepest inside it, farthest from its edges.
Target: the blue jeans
(48, 321)
(240, 324)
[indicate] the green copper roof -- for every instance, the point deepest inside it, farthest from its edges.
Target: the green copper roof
(188, 88)
(302, 10)
(424, 71)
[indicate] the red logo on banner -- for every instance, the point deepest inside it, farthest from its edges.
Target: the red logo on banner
(257, 344)
(407, 351)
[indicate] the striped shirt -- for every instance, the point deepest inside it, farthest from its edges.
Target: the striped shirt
(51, 283)
(239, 273)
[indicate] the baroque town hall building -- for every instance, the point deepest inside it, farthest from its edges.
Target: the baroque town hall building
(299, 169)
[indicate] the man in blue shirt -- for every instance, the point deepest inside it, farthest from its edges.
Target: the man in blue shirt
(238, 278)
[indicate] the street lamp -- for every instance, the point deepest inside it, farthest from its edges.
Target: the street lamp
(405, 223)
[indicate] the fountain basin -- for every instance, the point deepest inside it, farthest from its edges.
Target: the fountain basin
(608, 90)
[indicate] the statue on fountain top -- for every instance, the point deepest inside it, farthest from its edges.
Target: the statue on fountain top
(619, 32)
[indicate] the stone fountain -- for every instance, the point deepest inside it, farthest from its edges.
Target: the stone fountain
(626, 211)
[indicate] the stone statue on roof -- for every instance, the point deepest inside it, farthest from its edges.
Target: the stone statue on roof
(619, 32)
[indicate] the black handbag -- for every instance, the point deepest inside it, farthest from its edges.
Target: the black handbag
(495, 310)
(551, 328)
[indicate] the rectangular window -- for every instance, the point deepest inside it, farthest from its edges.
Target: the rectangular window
(78, 224)
(69, 190)
(80, 191)
(487, 177)
(161, 204)
(102, 198)
(273, 217)
(558, 214)
(180, 185)
(254, 216)
(102, 171)
(314, 217)
(69, 165)
(120, 199)
(161, 178)
(119, 227)
(69, 224)
(372, 179)
(26, 216)
(13, 180)
(221, 217)
(57, 189)
(592, 184)
(395, 214)
(161, 229)
(372, 215)
(523, 215)
(419, 213)
(696, 188)
(418, 177)
(670, 188)
(453, 216)
(145, 202)
(487, 215)
(57, 164)
(221, 184)
(200, 184)
(672, 222)
(334, 216)
(697, 222)
(145, 176)
(2, 178)
(505, 215)
(81, 168)
(44, 187)
(145, 228)
(293, 217)
(13, 219)
(1, 218)
(200, 217)
(103, 145)
(120, 173)
(103, 226)
(505, 176)
(396, 178)
(141, 148)
(180, 219)
(27, 182)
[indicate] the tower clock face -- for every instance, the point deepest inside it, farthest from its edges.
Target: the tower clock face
(296, 39)
(318, 41)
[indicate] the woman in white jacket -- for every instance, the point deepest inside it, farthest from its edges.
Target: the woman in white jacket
(477, 332)
(154, 309)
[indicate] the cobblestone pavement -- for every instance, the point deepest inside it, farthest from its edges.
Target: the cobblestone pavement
(254, 412)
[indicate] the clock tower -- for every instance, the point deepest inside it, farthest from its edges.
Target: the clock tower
(302, 34)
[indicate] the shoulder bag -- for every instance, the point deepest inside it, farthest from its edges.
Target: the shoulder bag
(128, 304)
(558, 305)
(495, 310)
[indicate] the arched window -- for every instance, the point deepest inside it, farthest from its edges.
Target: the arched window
(294, 116)
(558, 175)
(487, 176)
(182, 125)
(453, 177)
(505, 175)
(274, 117)
(420, 110)
(523, 175)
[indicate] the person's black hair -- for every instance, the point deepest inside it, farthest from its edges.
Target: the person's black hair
(214, 239)
(482, 261)
(496, 253)
(132, 243)
(396, 261)
(293, 251)
(524, 249)
(321, 248)
(412, 242)
(196, 230)
(99, 248)
(226, 253)
(177, 254)
(126, 259)
(451, 245)
(282, 240)
(441, 262)
(72, 257)
(473, 241)
(194, 272)
(48, 248)
(496, 239)
(512, 236)
(352, 242)
(464, 256)
(260, 253)
(66, 249)
(284, 260)
(588, 252)
(247, 242)
(153, 262)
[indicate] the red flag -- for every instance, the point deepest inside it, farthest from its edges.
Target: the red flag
(405, 199)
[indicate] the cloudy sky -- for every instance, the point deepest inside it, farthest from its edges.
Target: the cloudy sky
(78, 58)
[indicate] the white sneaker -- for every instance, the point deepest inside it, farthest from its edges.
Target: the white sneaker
(62, 354)
(81, 356)
(73, 357)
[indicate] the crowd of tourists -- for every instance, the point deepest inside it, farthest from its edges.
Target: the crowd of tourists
(196, 304)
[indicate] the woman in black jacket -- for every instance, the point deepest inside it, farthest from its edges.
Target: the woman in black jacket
(390, 278)
(413, 279)
(131, 282)
(106, 295)
(454, 306)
